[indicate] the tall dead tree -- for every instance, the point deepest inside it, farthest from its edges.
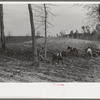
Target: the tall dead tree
(45, 22)
(2, 28)
(99, 11)
(32, 33)
(43, 13)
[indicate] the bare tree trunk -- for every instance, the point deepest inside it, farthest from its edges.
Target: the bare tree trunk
(99, 14)
(99, 11)
(45, 45)
(32, 33)
(2, 28)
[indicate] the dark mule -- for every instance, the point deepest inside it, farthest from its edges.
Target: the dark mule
(64, 54)
(57, 57)
(75, 51)
(72, 51)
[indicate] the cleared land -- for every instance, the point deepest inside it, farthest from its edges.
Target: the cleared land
(16, 63)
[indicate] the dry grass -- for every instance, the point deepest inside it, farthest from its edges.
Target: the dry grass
(74, 68)
(56, 44)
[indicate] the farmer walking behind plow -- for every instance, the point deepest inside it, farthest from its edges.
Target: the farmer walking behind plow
(40, 54)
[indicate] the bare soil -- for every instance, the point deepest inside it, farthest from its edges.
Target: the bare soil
(73, 70)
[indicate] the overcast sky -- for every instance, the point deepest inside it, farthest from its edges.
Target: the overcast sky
(68, 17)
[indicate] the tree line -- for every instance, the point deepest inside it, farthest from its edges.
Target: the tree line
(86, 33)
